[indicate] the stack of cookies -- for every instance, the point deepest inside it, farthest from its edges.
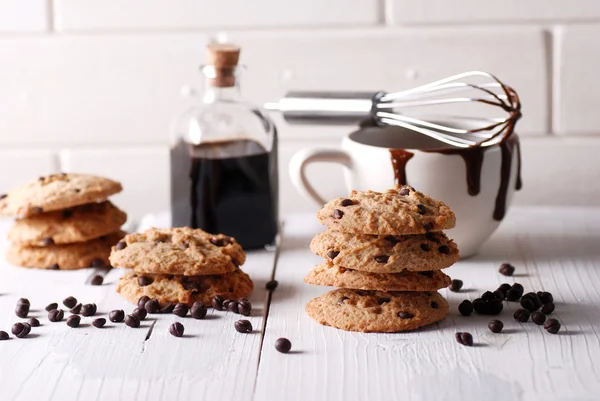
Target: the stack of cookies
(63, 222)
(180, 265)
(385, 251)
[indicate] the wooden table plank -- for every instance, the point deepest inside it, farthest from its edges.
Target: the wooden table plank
(554, 249)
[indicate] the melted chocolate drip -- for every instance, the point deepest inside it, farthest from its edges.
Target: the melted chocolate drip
(399, 159)
(473, 158)
(507, 147)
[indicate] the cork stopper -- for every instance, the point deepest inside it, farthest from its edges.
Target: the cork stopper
(224, 58)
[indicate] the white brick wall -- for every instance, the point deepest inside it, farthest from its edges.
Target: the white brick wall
(94, 85)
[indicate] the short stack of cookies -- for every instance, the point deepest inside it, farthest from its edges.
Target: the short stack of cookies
(180, 265)
(385, 251)
(63, 222)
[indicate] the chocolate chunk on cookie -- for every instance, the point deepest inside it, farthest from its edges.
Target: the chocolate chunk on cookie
(78, 224)
(397, 211)
(185, 289)
(335, 276)
(183, 251)
(56, 192)
(376, 311)
(386, 254)
(79, 255)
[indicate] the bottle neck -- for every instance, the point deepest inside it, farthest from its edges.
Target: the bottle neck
(214, 93)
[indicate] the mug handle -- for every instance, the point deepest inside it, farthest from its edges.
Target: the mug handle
(303, 158)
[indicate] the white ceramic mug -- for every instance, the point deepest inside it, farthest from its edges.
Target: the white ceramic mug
(367, 160)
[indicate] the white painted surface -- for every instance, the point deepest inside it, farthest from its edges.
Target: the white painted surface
(29, 16)
(553, 249)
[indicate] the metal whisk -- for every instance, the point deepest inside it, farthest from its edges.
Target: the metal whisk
(405, 109)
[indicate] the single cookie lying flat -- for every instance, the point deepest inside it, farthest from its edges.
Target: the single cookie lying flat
(56, 192)
(400, 210)
(335, 276)
(375, 311)
(185, 289)
(78, 224)
(386, 254)
(80, 255)
(185, 251)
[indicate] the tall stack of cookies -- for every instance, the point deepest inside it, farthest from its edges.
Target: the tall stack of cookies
(385, 251)
(180, 265)
(63, 222)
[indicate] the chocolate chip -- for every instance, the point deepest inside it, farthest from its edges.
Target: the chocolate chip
(167, 308)
(145, 280)
(244, 308)
(98, 263)
(533, 297)
(217, 302)
(432, 237)
(283, 345)
(404, 191)
(428, 226)
(465, 307)
(383, 300)
(512, 295)
(33, 322)
(434, 305)
(4, 335)
(76, 309)
(499, 294)
(140, 313)
(488, 306)
(97, 280)
(347, 202)
(132, 321)
(99, 323)
(341, 300)
(393, 239)
(548, 308)
(422, 209)
(88, 309)
(47, 241)
(70, 302)
(519, 288)
(181, 310)
(243, 326)
(233, 306)
(3, 196)
(495, 326)
(56, 315)
(51, 306)
(116, 316)
(538, 318)
(504, 288)
(226, 304)
(456, 285)
(152, 306)
(507, 269)
(405, 315)
(73, 321)
(271, 285)
(67, 214)
(198, 310)
(22, 311)
(217, 241)
(142, 301)
(382, 258)
(121, 245)
(338, 214)
(54, 267)
(552, 326)
(37, 209)
(445, 249)
(488, 295)
(521, 315)
(21, 330)
(528, 304)
(545, 297)
(23, 301)
(464, 339)
(332, 254)
(428, 274)
(425, 247)
(235, 262)
(176, 329)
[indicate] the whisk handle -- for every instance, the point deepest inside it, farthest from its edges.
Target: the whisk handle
(335, 108)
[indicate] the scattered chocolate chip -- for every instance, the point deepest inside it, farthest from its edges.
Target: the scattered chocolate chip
(404, 191)
(428, 274)
(512, 295)
(73, 321)
(116, 316)
(500, 295)
(132, 321)
(538, 318)
(88, 310)
(504, 288)
(3, 196)
(434, 305)
(167, 308)
(47, 241)
(121, 245)
(465, 308)
(488, 295)
(425, 247)
(244, 308)
(181, 310)
(217, 241)
(271, 285)
(217, 302)
(545, 297)
(456, 285)
(332, 254)
(176, 329)
(464, 339)
(507, 269)
(70, 302)
(198, 310)
(382, 258)
(33, 322)
(548, 308)
(283, 345)
(152, 306)
(51, 306)
(341, 300)
(23, 301)
(422, 209)
(97, 280)
(76, 309)
(428, 226)
(98, 263)
(488, 306)
(347, 202)
(37, 209)
(243, 326)
(56, 315)
(21, 330)
(226, 304)
(233, 306)
(552, 326)
(142, 301)
(519, 288)
(521, 315)
(405, 315)
(67, 214)
(4, 335)
(99, 323)
(534, 298)
(528, 304)
(54, 267)
(22, 311)
(445, 249)
(140, 313)
(495, 326)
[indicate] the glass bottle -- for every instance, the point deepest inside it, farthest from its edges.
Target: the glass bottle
(224, 160)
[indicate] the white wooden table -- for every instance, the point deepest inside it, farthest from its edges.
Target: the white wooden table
(554, 249)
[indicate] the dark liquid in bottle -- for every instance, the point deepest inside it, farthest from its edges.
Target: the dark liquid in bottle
(234, 195)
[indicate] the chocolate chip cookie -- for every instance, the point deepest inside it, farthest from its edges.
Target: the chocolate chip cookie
(331, 275)
(375, 311)
(397, 211)
(386, 254)
(180, 251)
(77, 224)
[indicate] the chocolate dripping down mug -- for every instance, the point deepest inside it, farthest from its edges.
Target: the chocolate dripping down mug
(477, 183)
